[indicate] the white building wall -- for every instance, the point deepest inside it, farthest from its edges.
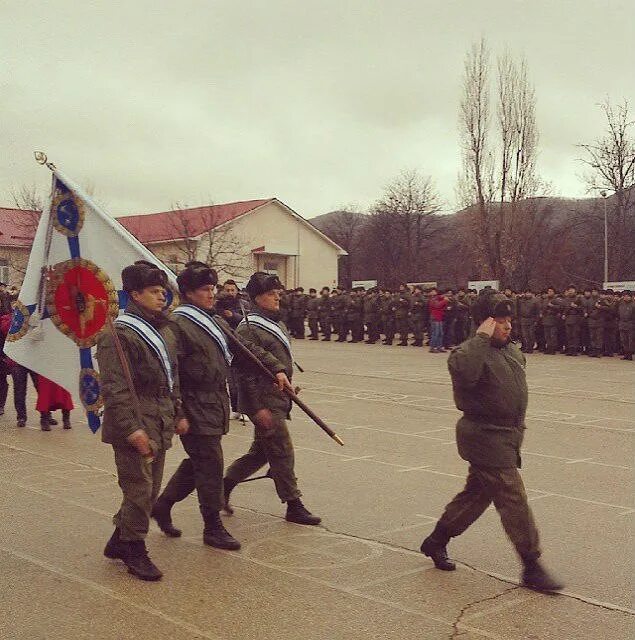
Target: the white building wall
(311, 261)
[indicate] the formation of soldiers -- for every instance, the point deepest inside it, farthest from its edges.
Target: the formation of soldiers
(593, 322)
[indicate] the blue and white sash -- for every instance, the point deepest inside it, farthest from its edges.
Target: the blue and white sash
(152, 338)
(208, 324)
(268, 325)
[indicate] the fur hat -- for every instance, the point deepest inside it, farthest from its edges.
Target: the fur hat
(261, 282)
(142, 274)
(195, 275)
(491, 304)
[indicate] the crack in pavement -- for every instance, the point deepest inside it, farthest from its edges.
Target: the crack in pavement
(456, 631)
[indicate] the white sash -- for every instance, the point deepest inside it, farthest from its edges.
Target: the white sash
(268, 325)
(208, 324)
(152, 338)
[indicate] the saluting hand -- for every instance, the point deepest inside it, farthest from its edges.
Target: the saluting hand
(487, 327)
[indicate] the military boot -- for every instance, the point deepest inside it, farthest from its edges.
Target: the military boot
(228, 486)
(45, 421)
(66, 419)
(536, 577)
(215, 534)
(434, 546)
(161, 513)
(298, 513)
(115, 548)
(138, 562)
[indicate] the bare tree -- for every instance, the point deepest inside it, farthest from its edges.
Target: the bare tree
(28, 210)
(402, 223)
(610, 163)
(345, 227)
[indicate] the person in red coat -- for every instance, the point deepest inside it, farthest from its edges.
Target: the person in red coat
(50, 397)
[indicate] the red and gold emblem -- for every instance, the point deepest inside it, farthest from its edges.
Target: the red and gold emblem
(79, 295)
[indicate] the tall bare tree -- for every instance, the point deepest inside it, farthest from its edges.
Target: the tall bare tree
(401, 226)
(610, 164)
(345, 228)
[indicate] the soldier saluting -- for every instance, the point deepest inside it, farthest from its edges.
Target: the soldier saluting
(267, 408)
(139, 422)
(490, 388)
(204, 357)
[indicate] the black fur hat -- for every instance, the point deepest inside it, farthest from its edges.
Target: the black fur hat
(142, 274)
(261, 282)
(195, 275)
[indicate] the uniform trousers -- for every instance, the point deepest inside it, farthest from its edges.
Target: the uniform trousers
(528, 334)
(202, 470)
(140, 483)
(627, 340)
(573, 337)
(596, 335)
(273, 447)
(505, 488)
(325, 326)
(551, 338)
(313, 326)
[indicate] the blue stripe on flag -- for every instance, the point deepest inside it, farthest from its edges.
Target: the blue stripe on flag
(73, 247)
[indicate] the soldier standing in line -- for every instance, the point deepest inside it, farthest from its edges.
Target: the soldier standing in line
(342, 302)
(355, 315)
(550, 315)
(610, 324)
(417, 321)
(462, 317)
(204, 358)
(572, 314)
(325, 313)
(402, 315)
(586, 302)
(297, 313)
(266, 407)
(449, 319)
(285, 302)
(313, 314)
(528, 310)
(139, 422)
(371, 315)
(596, 325)
(626, 319)
(388, 309)
(490, 388)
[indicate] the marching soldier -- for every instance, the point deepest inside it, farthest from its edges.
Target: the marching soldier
(528, 310)
(141, 413)
(267, 408)
(490, 388)
(313, 314)
(325, 311)
(204, 357)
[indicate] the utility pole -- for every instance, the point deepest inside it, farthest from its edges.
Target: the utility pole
(604, 195)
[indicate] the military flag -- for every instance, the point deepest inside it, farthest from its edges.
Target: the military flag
(72, 284)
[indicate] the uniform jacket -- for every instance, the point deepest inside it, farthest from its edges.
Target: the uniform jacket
(158, 406)
(626, 315)
(203, 375)
(313, 308)
(551, 310)
(490, 388)
(573, 310)
(255, 390)
(528, 309)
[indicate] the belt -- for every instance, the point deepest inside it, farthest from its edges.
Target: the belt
(502, 422)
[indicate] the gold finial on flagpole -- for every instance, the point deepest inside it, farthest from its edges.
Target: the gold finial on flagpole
(40, 158)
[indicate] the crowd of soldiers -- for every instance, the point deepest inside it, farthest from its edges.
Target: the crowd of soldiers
(593, 322)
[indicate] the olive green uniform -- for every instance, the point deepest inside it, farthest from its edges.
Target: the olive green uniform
(203, 379)
(417, 317)
(573, 311)
(596, 326)
(551, 310)
(402, 316)
(313, 316)
(372, 316)
(258, 392)
(325, 313)
(528, 310)
(491, 389)
(626, 315)
(139, 480)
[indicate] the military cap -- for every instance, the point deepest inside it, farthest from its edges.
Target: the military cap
(261, 282)
(196, 274)
(142, 274)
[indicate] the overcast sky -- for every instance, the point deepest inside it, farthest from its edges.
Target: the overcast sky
(317, 103)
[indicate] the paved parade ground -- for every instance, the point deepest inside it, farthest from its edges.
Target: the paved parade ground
(360, 574)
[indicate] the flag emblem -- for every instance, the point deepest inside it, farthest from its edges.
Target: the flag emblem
(19, 321)
(68, 213)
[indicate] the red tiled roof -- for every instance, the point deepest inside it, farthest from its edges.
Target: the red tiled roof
(185, 223)
(17, 227)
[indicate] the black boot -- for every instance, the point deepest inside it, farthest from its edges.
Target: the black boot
(215, 534)
(66, 419)
(434, 546)
(139, 563)
(298, 513)
(161, 513)
(115, 548)
(535, 577)
(228, 486)
(45, 421)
